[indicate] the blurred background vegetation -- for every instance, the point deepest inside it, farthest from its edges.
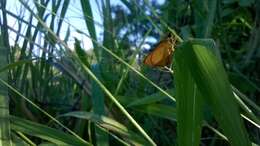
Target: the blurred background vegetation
(70, 82)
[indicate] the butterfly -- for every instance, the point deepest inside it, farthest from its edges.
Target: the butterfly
(161, 56)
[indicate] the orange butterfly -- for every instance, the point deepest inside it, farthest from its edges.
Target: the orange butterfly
(161, 56)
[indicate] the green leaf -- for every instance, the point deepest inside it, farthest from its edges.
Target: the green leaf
(158, 110)
(156, 97)
(88, 16)
(109, 124)
(45, 132)
(98, 106)
(15, 64)
(246, 3)
(211, 80)
(189, 101)
(81, 53)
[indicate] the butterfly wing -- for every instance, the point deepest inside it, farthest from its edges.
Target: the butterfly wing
(160, 56)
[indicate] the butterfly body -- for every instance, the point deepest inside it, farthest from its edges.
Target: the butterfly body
(161, 56)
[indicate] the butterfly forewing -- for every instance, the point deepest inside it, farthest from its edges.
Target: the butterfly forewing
(161, 55)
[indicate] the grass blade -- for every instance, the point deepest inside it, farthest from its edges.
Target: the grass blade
(98, 106)
(44, 132)
(5, 131)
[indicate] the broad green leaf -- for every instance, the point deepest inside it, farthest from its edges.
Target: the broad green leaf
(212, 82)
(189, 103)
